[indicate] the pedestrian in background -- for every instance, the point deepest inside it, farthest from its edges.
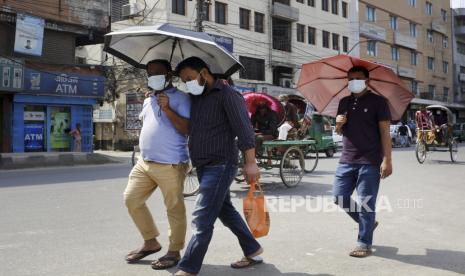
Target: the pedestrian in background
(76, 134)
(364, 121)
(163, 164)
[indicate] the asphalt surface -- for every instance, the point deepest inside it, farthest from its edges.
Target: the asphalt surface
(72, 221)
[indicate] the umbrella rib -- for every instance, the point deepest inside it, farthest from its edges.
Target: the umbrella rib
(340, 91)
(340, 78)
(151, 47)
(385, 81)
(198, 48)
(335, 67)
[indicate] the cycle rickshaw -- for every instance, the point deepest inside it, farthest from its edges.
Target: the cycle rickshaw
(440, 139)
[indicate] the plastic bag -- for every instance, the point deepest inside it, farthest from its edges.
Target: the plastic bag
(255, 212)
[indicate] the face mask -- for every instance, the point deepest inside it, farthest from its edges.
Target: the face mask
(194, 87)
(157, 82)
(357, 86)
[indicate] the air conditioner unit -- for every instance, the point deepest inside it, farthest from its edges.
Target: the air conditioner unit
(285, 82)
(130, 10)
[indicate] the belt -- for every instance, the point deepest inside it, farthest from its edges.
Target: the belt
(154, 162)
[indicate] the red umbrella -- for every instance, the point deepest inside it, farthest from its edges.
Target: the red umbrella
(253, 99)
(324, 84)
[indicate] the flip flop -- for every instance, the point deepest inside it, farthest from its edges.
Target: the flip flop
(139, 255)
(165, 262)
(247, 262)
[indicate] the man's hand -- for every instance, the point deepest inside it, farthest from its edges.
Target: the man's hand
(251, 173)
(163, 101)
(341, 120)
(386, 168)
(148, 94)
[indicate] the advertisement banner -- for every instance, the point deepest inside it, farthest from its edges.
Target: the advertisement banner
(11, 74)
(60, 125)
(134, 103)
(29, 34)
(226, 42)
(60, 84)
(34, 137)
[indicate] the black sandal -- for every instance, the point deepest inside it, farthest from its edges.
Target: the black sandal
(139, 255)
(247, 262)
(165, 262)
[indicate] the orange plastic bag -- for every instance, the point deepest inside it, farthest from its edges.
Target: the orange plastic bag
(255, 212)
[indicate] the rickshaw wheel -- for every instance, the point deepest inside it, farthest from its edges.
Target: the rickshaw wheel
(191, 183)
(420, 151)
(454, 149)
(311, 159)
(292, 167)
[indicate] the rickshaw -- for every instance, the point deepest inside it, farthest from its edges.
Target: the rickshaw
(293, 157)
(440, 139)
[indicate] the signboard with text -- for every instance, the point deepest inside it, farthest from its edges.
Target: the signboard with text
(226, 42)
(34, 137)
(29, 35)
(61, 84)
(134, 103)
(11, 74)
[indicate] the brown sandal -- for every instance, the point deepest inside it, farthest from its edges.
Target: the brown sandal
(360, 252)
(247, 262)
(138, 255)
(165, 262)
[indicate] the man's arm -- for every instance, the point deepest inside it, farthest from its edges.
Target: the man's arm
(386, 166)
(180, 123)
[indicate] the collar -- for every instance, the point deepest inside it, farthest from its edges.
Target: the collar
(218, 86)
(352, 97)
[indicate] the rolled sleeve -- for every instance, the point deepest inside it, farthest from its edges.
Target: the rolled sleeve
(238, 117)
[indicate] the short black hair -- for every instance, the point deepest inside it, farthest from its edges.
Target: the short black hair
(361, 69)
(195, 63)
(163, 62)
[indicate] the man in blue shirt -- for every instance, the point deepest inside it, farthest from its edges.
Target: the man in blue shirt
(163, 164)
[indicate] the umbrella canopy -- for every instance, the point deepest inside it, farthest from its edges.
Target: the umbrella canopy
(141, 44)
(253, 99)
(324, 83)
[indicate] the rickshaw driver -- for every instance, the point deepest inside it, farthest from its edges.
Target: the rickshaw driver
(265, 123)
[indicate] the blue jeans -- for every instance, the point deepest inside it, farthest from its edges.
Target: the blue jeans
(214, 201)
(365, 179)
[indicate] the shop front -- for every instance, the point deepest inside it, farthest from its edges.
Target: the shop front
(52, 105)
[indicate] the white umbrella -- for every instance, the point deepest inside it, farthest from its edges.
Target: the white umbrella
(141, 44)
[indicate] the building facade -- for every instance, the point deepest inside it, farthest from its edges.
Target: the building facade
(459, 59)
(45, 92)
(415, 39)
(271, 38)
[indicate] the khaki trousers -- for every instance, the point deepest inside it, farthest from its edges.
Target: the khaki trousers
(144, 178)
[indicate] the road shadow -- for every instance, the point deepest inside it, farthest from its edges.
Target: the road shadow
(446, 260)
(62, 175)
(259, 270)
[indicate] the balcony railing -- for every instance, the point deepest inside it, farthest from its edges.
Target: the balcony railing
(285, 12)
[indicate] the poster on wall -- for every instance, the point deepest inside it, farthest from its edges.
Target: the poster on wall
(11, 74)
(134, 103)
(60, 125)
(29, 34)
(34, 137)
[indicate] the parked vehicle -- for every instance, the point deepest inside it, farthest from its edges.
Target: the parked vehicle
(459, 132)
(395, 136)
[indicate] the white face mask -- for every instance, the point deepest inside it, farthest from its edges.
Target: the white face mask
(157, 82)
(194, 87)
(357, 86)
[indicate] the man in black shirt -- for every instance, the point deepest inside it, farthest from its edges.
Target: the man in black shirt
(265, 123)
(218, 116)
(364, 120)
(403, 133)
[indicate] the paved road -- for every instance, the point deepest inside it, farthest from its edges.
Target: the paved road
(71, 221)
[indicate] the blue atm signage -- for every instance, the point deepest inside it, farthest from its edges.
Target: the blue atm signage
(63, 84)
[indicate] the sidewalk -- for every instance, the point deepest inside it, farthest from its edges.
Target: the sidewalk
(13, 161)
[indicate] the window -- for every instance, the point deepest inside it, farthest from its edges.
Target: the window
(220, 13)
(311, 35)
(371, 14)
(259, 22)
(431, 90)
(430, 63)
(300, 1)
(345, 9)
(345, 44)
(206, 12)
(395, 54)
(430, 36)
(444, 15)
(335, 6)
(325, 5)
(445, 67)
(461, 48)
(311, 3)
(244, 19)
(445, 41)
(445, 96)
(336, 42)
(415, 87)
(325, 39)
(413, 58)
(393, 22)
(282, 34)
(413, 29)
(372, 48)
(429, 8)
(254, 68)
(300, 33)
(178, 7)
(412, 3)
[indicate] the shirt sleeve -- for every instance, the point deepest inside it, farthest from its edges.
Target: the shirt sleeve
(238, 117)
(146, 104)
(383, 114)
(342, 108)
(183, 106)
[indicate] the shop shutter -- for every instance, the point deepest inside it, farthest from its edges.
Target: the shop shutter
(83, 115)
(18, 127)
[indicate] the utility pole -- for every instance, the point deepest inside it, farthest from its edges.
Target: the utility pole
(200, 15)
